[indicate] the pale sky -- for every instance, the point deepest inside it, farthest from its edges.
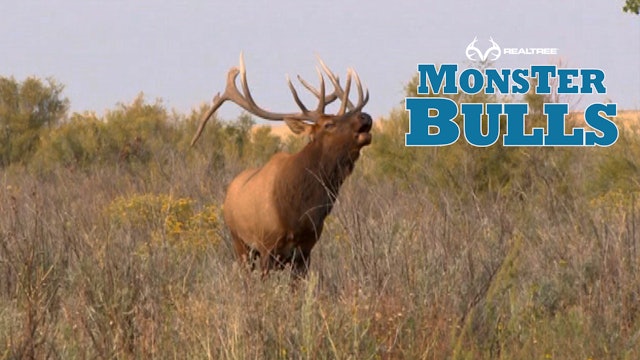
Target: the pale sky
(106, 52)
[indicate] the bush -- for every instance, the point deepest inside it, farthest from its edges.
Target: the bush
(26, 109)
(165, 221)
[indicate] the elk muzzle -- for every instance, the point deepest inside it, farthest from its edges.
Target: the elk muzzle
(363, 134)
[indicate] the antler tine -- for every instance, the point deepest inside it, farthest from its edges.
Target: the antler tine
(358, 85)
(216, 104)
(245, 100)
(328, 98)
(245, 86)
(362, 98)
(308, 86)
(218, 100)
(345, 95)
(296, 98)
(321, 98)
(335, 81)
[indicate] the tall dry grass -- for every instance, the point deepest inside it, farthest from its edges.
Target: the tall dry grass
(404, 269)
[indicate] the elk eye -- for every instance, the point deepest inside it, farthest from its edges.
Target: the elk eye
(329, 125)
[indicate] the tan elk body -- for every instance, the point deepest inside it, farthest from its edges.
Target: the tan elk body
(277, 211)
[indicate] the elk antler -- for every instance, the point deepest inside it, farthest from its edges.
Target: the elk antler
(245, 100)
(338, 91)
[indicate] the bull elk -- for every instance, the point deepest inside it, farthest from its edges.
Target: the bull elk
(277, 212)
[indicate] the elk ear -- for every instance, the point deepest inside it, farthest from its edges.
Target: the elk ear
(298, 126)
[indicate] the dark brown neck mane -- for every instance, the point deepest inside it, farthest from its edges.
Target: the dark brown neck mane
(314, 177)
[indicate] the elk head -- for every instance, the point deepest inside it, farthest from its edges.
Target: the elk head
(314, 123)
(278, 211)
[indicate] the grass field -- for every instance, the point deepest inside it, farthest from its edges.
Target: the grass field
(452, 253)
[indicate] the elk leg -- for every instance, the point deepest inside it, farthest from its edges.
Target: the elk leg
(266, 263)
(300, 263)
(244, 253)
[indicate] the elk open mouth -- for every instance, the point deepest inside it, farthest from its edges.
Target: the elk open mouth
(365, 128)
(363, 136)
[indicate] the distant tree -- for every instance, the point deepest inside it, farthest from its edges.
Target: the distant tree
(632, 6)
(132, 133)
(238, 135)
(137, 130)
(263, 145)
(25, 109)
(79, 141)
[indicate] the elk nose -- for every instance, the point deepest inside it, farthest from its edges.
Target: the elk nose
(365, 121)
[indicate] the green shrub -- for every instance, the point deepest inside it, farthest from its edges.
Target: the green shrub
(26, 109)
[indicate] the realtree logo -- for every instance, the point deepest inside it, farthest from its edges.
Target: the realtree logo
(473, 51)
(494, 51)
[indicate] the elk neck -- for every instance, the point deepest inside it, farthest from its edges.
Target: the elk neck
(324, 167)
(314, 177)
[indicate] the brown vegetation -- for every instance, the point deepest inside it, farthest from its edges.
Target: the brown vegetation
(454, 252)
